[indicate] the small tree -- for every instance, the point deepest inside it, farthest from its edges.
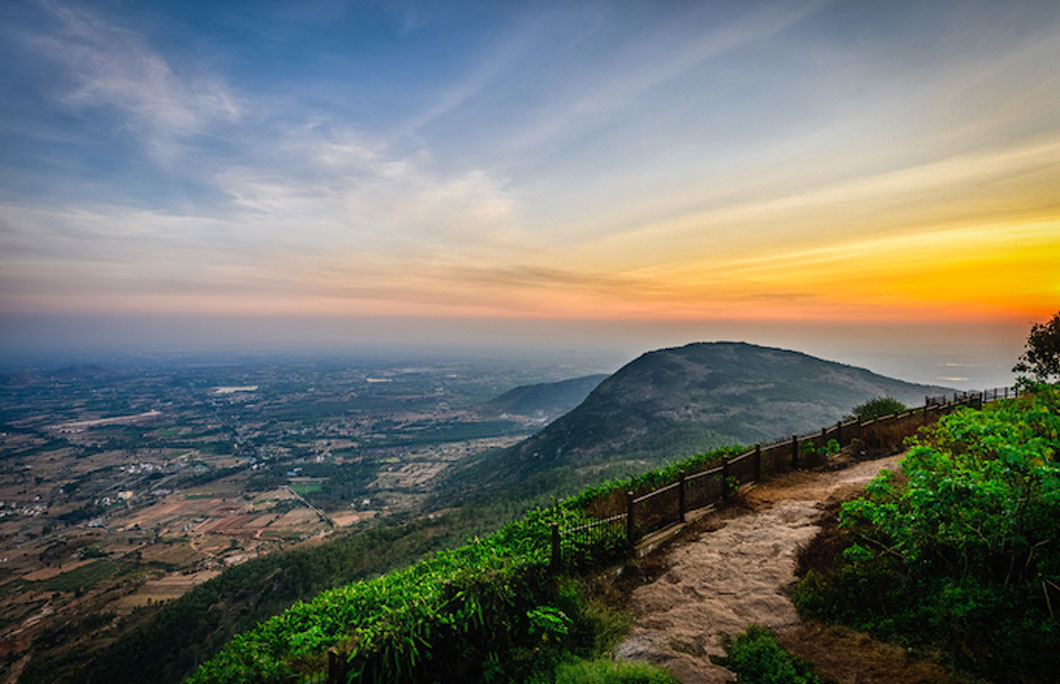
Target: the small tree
(876, 408)
(1042, 357)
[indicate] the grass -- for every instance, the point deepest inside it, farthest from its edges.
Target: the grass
(491, 608)
(84, 577)
(607, 671)
(305, 488)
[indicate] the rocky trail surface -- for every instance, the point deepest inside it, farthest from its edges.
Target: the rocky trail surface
(737, 566)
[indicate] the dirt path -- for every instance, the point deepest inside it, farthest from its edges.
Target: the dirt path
(737, 566)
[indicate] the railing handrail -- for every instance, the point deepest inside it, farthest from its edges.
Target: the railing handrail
(930, 404)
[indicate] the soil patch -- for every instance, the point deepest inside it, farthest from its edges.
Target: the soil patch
(848, 657)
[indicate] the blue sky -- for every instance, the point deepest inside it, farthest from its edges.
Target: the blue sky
(688, 162)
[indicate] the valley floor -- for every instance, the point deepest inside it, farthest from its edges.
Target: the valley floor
(737, 566)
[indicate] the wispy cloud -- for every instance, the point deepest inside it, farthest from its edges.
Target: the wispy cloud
(334, 189)
(496, 60)
(108, 66)
(658, 57)
(292, 195)
(327, 215)
(905, 201)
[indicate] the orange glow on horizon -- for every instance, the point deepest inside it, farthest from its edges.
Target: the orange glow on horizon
(978, 273)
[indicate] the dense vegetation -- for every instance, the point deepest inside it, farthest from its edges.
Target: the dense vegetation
(487, 609)
(961, 550)
(757, 658)
(168, 642)
(491, 610)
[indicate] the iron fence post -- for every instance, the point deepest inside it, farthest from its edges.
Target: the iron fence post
(794, 451)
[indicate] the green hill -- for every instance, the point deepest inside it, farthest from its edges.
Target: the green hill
(544, 401)
(646, 411)
(671, 403)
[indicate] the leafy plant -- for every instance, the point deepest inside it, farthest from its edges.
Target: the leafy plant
(757, 658)
(1042, 356)
(961, 550)
(547, 621)
(830, 448)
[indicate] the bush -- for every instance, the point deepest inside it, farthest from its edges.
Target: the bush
(757, 658)
(961, 553)
(877, 408)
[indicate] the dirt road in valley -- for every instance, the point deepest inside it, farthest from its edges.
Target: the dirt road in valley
(737, 566)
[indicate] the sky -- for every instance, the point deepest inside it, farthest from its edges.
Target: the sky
(838, 177)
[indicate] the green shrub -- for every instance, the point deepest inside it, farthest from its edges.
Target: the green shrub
(598, 622)
(757, 658)
(877, 408)
(962, 553)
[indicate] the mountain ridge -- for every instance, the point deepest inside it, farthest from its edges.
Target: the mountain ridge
(543, 401)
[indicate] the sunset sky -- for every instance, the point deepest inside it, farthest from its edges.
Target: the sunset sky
(581, 170)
